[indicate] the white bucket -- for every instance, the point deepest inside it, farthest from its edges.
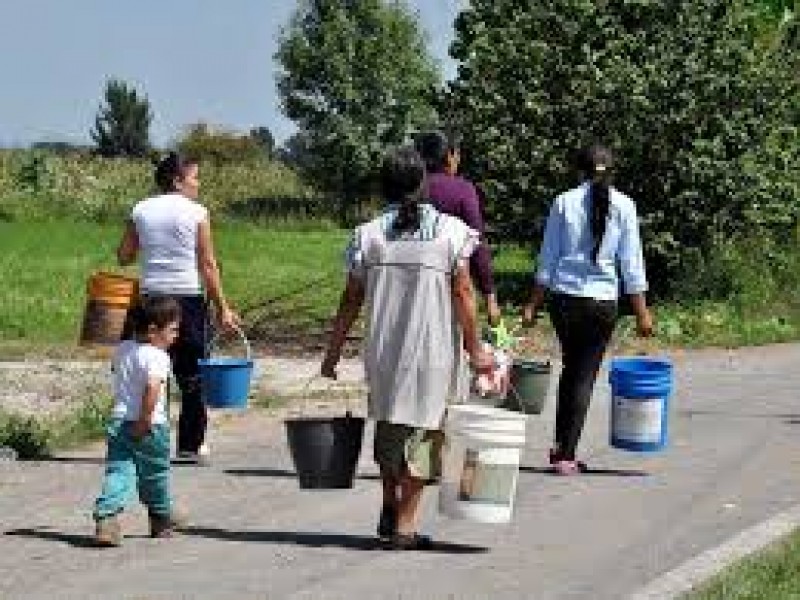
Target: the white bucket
(480, 463)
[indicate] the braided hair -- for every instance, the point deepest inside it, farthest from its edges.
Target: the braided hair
(402, 176)
(596, 163)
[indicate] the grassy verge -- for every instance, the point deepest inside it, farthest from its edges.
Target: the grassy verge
(771, 574)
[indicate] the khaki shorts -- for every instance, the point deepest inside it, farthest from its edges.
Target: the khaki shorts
(405, 450)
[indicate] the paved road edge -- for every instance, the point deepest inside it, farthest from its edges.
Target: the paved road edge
(704, 566)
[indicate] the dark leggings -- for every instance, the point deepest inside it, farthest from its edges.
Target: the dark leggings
(191, 346)
(584, 327)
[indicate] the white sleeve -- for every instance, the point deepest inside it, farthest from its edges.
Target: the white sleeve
(156, 363)
(463, 240)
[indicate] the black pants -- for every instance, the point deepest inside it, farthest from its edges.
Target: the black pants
(584, 327)
(191, 346)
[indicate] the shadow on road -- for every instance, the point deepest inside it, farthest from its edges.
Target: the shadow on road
(590, 472)
(281, 473)
(318, 540)
(78, 541)
(75, 460)
(792, 417)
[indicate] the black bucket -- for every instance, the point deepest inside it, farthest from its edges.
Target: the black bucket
(325, 451)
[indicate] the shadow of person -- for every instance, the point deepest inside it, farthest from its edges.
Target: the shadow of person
(77, 541)
(75, 460)
(590, 472)
(318, 540)
(282, 473)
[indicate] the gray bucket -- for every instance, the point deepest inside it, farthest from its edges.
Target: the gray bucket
(530, 382)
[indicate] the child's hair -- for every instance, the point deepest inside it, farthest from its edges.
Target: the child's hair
(169, 168)
(434, 146)
(596, 163)
(156, 311)
(402, 175)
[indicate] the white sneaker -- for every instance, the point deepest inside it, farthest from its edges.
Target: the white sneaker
(202, 457)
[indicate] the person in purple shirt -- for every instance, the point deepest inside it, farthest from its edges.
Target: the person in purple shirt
(454, 195)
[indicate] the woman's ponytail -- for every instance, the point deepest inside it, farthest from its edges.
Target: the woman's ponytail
(596, 164)
(402, 175)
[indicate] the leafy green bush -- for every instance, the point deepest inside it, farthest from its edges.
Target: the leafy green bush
(698, 101)
(38, 185)
(30, 437)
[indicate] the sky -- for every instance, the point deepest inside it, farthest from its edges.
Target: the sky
(196, 60)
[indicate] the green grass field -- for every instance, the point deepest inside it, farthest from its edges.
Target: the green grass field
(44, 269)
(287, 280)
(770, 575)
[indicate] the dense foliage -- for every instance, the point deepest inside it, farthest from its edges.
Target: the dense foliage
(356, 77)
(698, 102)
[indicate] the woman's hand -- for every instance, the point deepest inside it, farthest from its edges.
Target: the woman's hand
(644, 323)
(482, 362)
(228, 319)
(529, 315)
(140, 428)
(493, 310)
(328, 368)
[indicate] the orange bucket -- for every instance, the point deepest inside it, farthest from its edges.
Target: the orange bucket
(109, 298)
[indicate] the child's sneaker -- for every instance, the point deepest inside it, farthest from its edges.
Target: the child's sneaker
(108, 533)
(162, 527)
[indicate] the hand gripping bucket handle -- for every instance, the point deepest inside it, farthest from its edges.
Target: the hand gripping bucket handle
(226, 381)
(248, 352)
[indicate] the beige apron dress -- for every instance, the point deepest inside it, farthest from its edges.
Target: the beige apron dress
(413, 356)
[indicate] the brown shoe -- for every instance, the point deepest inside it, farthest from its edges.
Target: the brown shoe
(108, 533)
(165, 526)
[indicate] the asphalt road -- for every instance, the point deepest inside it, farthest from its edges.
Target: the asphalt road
(733, 461)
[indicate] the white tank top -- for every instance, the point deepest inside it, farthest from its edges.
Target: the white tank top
(167, 230)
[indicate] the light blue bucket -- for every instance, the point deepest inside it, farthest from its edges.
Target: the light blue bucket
(225, 381)
(640, 391)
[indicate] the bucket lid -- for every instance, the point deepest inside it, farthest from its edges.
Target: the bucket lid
(224, 361)
(640, 364)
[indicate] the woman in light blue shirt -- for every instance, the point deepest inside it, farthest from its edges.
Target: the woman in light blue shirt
(591, 241)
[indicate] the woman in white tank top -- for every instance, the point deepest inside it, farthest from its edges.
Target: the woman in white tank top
(172, 234)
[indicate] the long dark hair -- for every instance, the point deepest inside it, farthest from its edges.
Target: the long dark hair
(402, 175)
(169, 168)
(435, 146)
(596, 164)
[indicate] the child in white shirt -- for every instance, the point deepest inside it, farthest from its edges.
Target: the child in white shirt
(138, 432)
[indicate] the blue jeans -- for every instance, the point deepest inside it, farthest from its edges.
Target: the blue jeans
(135, 465)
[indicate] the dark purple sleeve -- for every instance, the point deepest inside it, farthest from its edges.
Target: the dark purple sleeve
(480, 263)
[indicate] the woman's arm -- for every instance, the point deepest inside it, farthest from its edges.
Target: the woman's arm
(631, 259)
(128, 246)
(209, 271)
(548, 259)
(464, 304)
(349, 306)
(481, 260)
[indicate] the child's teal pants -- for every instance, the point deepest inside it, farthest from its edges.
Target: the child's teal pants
(135, 465)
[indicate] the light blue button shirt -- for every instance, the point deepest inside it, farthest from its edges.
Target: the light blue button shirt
(565, 258)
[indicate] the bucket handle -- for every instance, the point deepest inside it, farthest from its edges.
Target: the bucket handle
(331, 384)
(242, 337)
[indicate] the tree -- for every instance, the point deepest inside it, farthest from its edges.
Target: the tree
(701, 114)
(356, 76)
(204, 142)
(122, 125)
(264, 138)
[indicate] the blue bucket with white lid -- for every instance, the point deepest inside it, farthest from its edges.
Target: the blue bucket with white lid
(224, 380)
(641, 388)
